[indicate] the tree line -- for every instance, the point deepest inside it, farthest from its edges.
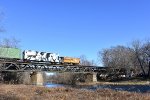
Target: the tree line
(134, 57)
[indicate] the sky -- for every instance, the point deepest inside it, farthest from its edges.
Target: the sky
(75, 27)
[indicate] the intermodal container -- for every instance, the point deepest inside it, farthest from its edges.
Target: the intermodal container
(10, 53)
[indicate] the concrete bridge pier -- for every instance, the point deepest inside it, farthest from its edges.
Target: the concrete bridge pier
(26, 79)
(91, 77)
(37, 78)
(94, 77)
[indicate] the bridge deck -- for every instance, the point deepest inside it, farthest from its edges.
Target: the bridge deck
(41, 66)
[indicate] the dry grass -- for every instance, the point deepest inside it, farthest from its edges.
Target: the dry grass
(28, 92)
(115, 83)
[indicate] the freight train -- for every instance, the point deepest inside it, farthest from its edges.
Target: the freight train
(36, 56)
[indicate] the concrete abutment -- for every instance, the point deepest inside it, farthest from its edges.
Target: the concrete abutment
(37, 78)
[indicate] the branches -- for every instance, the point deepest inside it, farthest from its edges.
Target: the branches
(135, 56)
(10, 43)
(85, 61)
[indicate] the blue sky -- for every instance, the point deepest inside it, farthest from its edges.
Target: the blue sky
(75, 27)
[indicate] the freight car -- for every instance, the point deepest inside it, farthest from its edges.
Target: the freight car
(36, 56)
(70, 61)
(10, 53)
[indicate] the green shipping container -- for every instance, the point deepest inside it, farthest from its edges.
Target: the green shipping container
(10, 53)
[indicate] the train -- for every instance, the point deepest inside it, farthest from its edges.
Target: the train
(13, 54)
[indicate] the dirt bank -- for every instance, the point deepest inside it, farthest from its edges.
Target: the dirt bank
(28, 92)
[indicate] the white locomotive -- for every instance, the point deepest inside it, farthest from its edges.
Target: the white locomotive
(32, 55)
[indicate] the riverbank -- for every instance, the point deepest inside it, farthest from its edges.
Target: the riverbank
(115, 83)
(29, 92)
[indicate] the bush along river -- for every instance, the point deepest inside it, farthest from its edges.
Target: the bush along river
(129, 88)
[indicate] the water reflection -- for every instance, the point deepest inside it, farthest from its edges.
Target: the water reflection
(52, 85)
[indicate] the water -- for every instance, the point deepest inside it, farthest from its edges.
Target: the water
(130, 88)
(52, 85)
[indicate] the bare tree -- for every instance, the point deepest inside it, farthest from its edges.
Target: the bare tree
(85, 61)
(10, 43)
(142, 54)
(138, 55)
(117, 57)
(146, 56)
(104, 57)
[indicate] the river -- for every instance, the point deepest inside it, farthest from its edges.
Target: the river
(130, 88)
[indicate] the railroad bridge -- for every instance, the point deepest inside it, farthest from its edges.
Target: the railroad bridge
(34, 70)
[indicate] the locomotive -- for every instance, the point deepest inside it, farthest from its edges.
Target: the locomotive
(32, 55)
(36, 56)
